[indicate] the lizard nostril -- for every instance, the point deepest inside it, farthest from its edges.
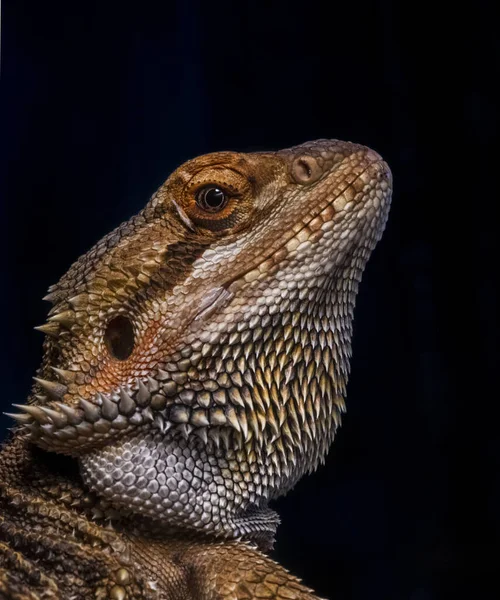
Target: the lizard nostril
(306, 170)
(119, 337)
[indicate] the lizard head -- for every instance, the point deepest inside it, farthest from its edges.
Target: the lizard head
(196, 358)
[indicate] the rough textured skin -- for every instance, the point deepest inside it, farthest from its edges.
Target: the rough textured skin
(195, 366)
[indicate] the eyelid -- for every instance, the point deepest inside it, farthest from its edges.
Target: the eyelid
(229, 191)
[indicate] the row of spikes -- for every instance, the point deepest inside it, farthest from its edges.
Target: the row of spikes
(280, 453)
(256, 418)
(115, 285)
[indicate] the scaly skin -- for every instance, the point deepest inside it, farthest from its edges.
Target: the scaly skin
(194, 368)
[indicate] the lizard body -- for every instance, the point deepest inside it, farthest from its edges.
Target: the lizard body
(195, 365)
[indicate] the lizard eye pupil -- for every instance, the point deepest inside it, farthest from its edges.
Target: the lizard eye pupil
(119, 337)
(211, 198)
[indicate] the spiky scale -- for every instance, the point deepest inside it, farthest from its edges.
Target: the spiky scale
(64, 375)
(92, 412)
(24, 419)
(217, 416)
(147, 414)
(51, 329)
(236, 398)
(242, 420)
(143, 395)
(126, 405)
(52, 296)
(109, 410)
(202, 433)
(153, 385)
(73, 416)
(60, 420)
(65, 318)
(179, 414)
(55, 390)
(34, 411)
(199, 418)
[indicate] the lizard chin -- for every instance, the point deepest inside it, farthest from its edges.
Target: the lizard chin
(184, 483)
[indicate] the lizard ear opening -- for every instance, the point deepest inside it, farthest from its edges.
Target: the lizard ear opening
(119, 337)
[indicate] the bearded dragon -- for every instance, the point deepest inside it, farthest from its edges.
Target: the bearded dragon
(195, 367)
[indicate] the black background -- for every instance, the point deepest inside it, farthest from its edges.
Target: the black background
(100, 101)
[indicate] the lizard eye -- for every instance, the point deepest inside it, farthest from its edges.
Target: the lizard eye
(211, 198)
(119, 337)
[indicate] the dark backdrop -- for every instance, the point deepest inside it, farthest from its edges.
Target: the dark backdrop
(102, 101)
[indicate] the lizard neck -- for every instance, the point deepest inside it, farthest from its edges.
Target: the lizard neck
(286, 375)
